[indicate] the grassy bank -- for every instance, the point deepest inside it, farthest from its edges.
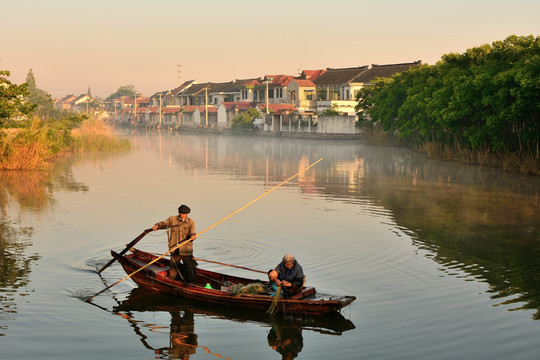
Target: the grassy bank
(517, 163)
(33, 145)
(96, 135)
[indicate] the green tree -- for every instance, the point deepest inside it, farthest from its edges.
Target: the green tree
(485, 100)
(127, 90)
(331, 111)
(42, 99)
(245, 120)
(13, 99)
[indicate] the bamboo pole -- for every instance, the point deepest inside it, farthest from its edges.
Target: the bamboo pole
(202, 232)
(234, 266)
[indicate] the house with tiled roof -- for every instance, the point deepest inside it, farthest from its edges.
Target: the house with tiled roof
(80, 103)
(66, 103)
(222, 92)
(383, 71)
(196, 94)
(337, 88)
(273, 89)
(304, 95)
(311, 74)
(170, 97)
(194, 115)
(247, 89)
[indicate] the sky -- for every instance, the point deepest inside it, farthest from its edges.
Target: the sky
(73, 45)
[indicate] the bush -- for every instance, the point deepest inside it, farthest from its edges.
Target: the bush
(245, 120)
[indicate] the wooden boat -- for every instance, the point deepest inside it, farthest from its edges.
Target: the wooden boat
(154, 277)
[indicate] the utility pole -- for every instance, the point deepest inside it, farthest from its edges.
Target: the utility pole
(160, 109)
(135, 104)
(267, 81)
(206, 104)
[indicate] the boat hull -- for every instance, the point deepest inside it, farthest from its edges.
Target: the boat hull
(154, 278)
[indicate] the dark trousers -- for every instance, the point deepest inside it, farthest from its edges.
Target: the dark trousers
(185, 264)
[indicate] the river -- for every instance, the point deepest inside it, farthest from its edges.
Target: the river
(443, 258)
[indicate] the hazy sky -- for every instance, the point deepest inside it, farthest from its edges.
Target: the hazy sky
(71, 45)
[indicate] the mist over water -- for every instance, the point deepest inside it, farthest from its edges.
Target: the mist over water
(442, 257)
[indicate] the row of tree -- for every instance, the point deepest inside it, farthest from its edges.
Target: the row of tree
(486, 99)
(20, 101)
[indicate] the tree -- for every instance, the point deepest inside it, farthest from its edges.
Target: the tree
(127, 90)
(13, 98)
(333, 111)
(484, 100)
(245, 120)
(42, 99)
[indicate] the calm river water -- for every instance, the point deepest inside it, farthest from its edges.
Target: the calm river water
(443, 258)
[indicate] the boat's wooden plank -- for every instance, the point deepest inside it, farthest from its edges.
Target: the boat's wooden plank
(154, 277)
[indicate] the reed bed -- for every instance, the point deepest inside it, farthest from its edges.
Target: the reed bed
(96, 135)
(33, 147)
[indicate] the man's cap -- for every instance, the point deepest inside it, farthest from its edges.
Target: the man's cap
(184, 209)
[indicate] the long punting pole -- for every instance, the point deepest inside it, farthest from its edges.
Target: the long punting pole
(205, 230)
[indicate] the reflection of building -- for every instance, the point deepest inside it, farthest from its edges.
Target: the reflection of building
(349, 173)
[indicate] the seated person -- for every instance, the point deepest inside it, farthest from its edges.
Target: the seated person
(289, 275)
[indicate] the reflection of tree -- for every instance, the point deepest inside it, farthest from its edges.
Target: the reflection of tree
(23, 191)
(17, 190)
(14, 269)
(27, 189)
(482, 224)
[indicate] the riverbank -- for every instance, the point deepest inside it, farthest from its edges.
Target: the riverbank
(509, 162)
(284, 134)
(34, 145)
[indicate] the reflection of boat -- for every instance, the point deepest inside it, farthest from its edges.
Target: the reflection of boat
(140, 300)
(284, 335)
(154, 277)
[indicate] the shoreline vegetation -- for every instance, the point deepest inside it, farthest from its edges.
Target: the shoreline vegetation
(35, 143)
(481, 107)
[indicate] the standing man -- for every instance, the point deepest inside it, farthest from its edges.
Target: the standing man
(182, 228)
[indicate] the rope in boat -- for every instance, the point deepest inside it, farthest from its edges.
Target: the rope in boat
(235, 266)
(224, 264)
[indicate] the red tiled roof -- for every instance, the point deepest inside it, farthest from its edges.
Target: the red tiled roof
(171, 109)
(251, 82)
(312, 74)
(238, 105)
(192, 108)
(281, 80)
(276, 108)
(305, 83)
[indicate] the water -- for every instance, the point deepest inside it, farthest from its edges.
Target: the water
(443, 258)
